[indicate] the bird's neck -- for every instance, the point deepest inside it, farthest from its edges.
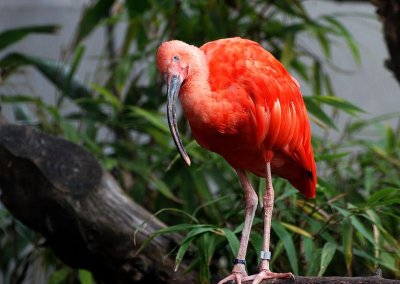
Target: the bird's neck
(197, 98)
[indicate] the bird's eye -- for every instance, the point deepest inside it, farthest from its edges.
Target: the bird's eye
(175, 58)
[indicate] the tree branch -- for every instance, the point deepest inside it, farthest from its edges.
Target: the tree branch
(375, 279)
(60, 190)
(389, 15)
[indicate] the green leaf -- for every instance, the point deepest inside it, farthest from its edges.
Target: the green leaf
(108, 96)
(211, 202)
(309, 248)
(232, 240)
(369, 173)
(391, 139)
(324, 42)
(317, 111)
(75, 62)
(53, 70)
(187, 241)
(331, 157)
(344, 212)
(154, 118)
(206, 245)
(301, 68)
(256, 241)
(278, 249)
(347, 239)
(23, 114)
(181, 252)
(360, 228)
(11, 36)
(362, 124)
(366, 255)
(328, 251)
(59, 276)
(316, 82)
(136, 8)
(314, 265)
(287, 239)
(85, 277)
(338, 103)
(384, 197)
(297, 230)
(168, 230)
(343, 31)
(163, 188)
(288, 50)
(91, 17)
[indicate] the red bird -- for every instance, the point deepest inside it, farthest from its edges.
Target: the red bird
(244, 105)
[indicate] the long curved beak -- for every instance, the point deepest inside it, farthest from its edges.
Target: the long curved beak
(173, 87)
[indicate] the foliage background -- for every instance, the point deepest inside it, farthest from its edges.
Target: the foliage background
(350, 228)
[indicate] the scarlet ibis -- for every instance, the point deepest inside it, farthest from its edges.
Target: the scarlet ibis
(244, 105)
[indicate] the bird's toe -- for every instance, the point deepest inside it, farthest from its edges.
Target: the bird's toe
(235, 276)
(266, 274)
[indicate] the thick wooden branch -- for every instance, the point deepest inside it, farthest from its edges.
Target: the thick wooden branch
(389, 15)
(60, 190)
(375, 279)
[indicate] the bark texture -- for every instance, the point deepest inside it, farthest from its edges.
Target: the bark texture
(376, 279)
(59, 189)
(389, 15)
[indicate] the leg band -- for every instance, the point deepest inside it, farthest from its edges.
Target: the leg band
(239, 261)
(265, 255)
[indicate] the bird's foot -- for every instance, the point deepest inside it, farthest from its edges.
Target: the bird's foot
(237, 275)
(265, 274)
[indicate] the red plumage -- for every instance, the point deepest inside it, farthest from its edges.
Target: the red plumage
(242, 104)
(260, 113)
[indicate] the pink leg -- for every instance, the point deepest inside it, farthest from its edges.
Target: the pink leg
(268, 202)
(239, 271)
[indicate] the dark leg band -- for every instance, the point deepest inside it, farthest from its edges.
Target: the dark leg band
(239, 261)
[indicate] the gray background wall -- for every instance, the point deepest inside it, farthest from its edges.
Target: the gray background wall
(368, 85)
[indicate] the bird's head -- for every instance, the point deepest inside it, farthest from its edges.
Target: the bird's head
(178, 61)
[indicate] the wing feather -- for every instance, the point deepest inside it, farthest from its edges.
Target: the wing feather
(276, 108)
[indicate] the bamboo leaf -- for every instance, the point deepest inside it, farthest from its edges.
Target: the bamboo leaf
(108, 96)
(12, 36)
(53, 70)
(91, 17)
(317, 111)
(187, 241)
(287, 239)
(316, 82)
(232, 240)
(137, 8)
(347, 239)
(168, 230)
(163, 188)
(181, 252)
(338, 103)
(309, 248)
(346, 35)
(361, 229)
(59, 276)
(154, 118)
(386, 196)
(85, 277)
(328, 251)
(297, 230)
(288, 50)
